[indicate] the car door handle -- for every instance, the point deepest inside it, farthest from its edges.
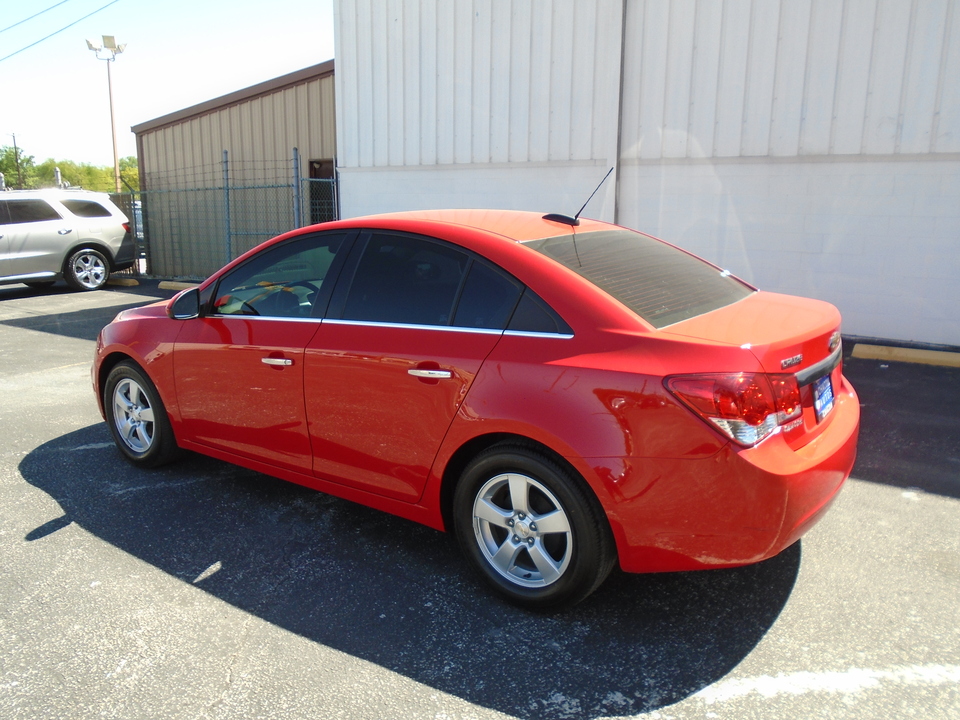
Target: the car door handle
(431, 374)
(280, 362)
(64, 231)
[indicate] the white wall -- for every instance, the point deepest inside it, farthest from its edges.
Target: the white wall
(880, 239)
(811, 146)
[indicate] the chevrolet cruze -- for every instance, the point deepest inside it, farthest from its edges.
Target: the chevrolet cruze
(564, 395)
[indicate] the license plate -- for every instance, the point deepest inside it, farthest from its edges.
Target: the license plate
(822, 397)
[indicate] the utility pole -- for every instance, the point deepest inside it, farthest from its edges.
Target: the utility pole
(16, 159)
(110, 46)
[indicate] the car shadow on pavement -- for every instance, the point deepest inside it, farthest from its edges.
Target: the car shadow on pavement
(397, 594)
(80, 324)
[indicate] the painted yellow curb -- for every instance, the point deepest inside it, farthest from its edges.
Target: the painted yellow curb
(910, 355)
(172, 285)
(123, 281)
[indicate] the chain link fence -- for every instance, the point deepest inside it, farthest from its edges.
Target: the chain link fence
(187, 225)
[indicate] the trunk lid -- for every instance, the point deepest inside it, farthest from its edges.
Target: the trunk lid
(788, 335)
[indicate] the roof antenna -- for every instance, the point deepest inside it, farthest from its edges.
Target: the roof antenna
(575, 220)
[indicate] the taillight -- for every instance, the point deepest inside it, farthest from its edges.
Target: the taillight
(126, 226)
(746, 407)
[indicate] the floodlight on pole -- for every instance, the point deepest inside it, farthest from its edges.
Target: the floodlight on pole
(110, 50)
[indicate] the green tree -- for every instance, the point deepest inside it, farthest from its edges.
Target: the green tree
(129, 174)
(17, 177)
(81, 175)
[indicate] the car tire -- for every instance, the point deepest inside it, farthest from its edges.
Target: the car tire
(532, 528)
(137, 419)
(87, 269)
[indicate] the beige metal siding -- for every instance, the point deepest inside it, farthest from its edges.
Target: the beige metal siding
(193, 223)
(258, 134)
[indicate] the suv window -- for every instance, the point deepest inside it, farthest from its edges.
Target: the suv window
(86, 208)
(285, 281)
(408, 280)
(27, 211)
(659, 282)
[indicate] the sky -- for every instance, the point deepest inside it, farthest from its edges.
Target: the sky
(178, 53)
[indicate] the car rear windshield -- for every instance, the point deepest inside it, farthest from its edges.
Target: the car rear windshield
(659, 282)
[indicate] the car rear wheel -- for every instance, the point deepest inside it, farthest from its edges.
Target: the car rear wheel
(87, 269)
(137, 418)
(531, 528)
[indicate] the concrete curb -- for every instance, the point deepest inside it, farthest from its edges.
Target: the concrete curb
(910, 355)
(173, 285)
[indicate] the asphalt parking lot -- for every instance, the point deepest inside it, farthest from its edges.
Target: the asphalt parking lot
(203, 590)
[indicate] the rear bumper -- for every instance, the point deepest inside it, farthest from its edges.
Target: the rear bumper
(738, 507)
(126, 254)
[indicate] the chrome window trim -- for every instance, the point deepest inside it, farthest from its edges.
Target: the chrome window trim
(238, 316)
(405, 326)
(528, 333)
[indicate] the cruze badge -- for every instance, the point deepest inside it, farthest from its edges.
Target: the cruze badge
(791, 361)
(834, 341)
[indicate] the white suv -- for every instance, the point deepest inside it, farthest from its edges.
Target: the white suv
(46, 235)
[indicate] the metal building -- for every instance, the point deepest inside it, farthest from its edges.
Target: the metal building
(810, 146)
(222, 176)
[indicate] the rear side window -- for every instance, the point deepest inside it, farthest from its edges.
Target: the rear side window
(488, 298)
(534, 315)
(659, 282)
(406, 280)
(86, 208)
(29, 211)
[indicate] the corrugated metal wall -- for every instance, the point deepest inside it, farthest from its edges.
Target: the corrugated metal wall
(432, 82)
(435, 82)
(259, 134)
(754, 78)
(812, 146)
(194, 223)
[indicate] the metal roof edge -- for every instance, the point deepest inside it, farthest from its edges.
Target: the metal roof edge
(264, 88)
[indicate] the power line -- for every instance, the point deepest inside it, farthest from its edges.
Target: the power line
(34, 15)
(112, 2)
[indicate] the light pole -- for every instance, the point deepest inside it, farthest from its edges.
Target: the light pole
(111, 50)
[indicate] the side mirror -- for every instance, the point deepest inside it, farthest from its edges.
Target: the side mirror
(185, 306)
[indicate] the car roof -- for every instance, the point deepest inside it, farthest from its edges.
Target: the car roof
(516, 225)
(55, 192)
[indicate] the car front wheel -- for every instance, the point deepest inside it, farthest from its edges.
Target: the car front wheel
(87, 269)
(137, 419)
(531, 529)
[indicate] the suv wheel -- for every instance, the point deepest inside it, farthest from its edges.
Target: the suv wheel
(87, 269)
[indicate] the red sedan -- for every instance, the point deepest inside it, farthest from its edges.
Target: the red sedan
(563, 394)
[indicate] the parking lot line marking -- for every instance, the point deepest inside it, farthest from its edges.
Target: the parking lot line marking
(910, 355)
(47, 370)
(847, 682)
